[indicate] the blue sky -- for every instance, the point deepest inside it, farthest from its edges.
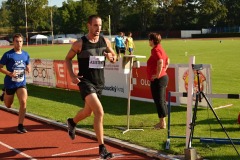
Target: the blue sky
(56, 2)
(51, 2)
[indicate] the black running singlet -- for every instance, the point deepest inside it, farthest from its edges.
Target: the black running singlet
(87, 69)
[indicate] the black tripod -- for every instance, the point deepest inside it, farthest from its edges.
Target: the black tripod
(197, 68)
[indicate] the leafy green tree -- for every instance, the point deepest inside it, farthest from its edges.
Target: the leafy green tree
(165, 14)
(17, 14)
(88, 8)
(4, 16)
(114, 8)
(233, 14)
(38, 15)
(73, 16)
(189, 16)
(68, 14)
(35, 11)
(183, 15)
(126, 15)
(146, 9)
(210, 12)
(57, 19)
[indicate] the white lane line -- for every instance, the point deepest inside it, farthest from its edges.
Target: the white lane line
(74, 151)
(229, 105)
(17, 151)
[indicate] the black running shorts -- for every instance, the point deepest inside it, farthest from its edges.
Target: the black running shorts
(120, 49)
(12, 91)
(87, 88)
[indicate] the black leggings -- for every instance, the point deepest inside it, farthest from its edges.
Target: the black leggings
(158, 89)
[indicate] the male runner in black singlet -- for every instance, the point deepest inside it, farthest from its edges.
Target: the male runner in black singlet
(91, 51)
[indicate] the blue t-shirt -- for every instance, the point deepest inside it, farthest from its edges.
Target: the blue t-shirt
(119, 42)
(15, 62)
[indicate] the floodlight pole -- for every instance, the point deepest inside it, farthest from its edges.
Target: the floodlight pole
(52, 24)
(26, 22)
(109, 27)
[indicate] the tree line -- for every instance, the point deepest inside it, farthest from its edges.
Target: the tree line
(125, 15)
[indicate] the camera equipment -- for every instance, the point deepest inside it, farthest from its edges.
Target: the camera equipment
(197, 66)
(200, 93)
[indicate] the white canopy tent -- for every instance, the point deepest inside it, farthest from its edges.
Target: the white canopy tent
(40, 38)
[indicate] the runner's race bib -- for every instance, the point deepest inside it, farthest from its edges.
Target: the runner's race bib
(96, 62)
(19, 75)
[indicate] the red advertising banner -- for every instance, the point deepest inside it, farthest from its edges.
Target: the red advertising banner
(54, 73)
(63, 79)
(141, 86)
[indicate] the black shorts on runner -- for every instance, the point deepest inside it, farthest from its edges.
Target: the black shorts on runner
(88, 88)
(12, 91)
(120, 49)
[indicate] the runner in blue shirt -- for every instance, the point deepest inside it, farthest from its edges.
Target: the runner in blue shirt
(120, 45)
(16, 62)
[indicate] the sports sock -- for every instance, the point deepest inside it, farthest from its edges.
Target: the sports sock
(72, 122)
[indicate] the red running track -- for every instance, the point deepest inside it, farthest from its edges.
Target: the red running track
(46, 141)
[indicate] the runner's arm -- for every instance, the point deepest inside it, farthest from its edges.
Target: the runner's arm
(76, 48)
(110, 55)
